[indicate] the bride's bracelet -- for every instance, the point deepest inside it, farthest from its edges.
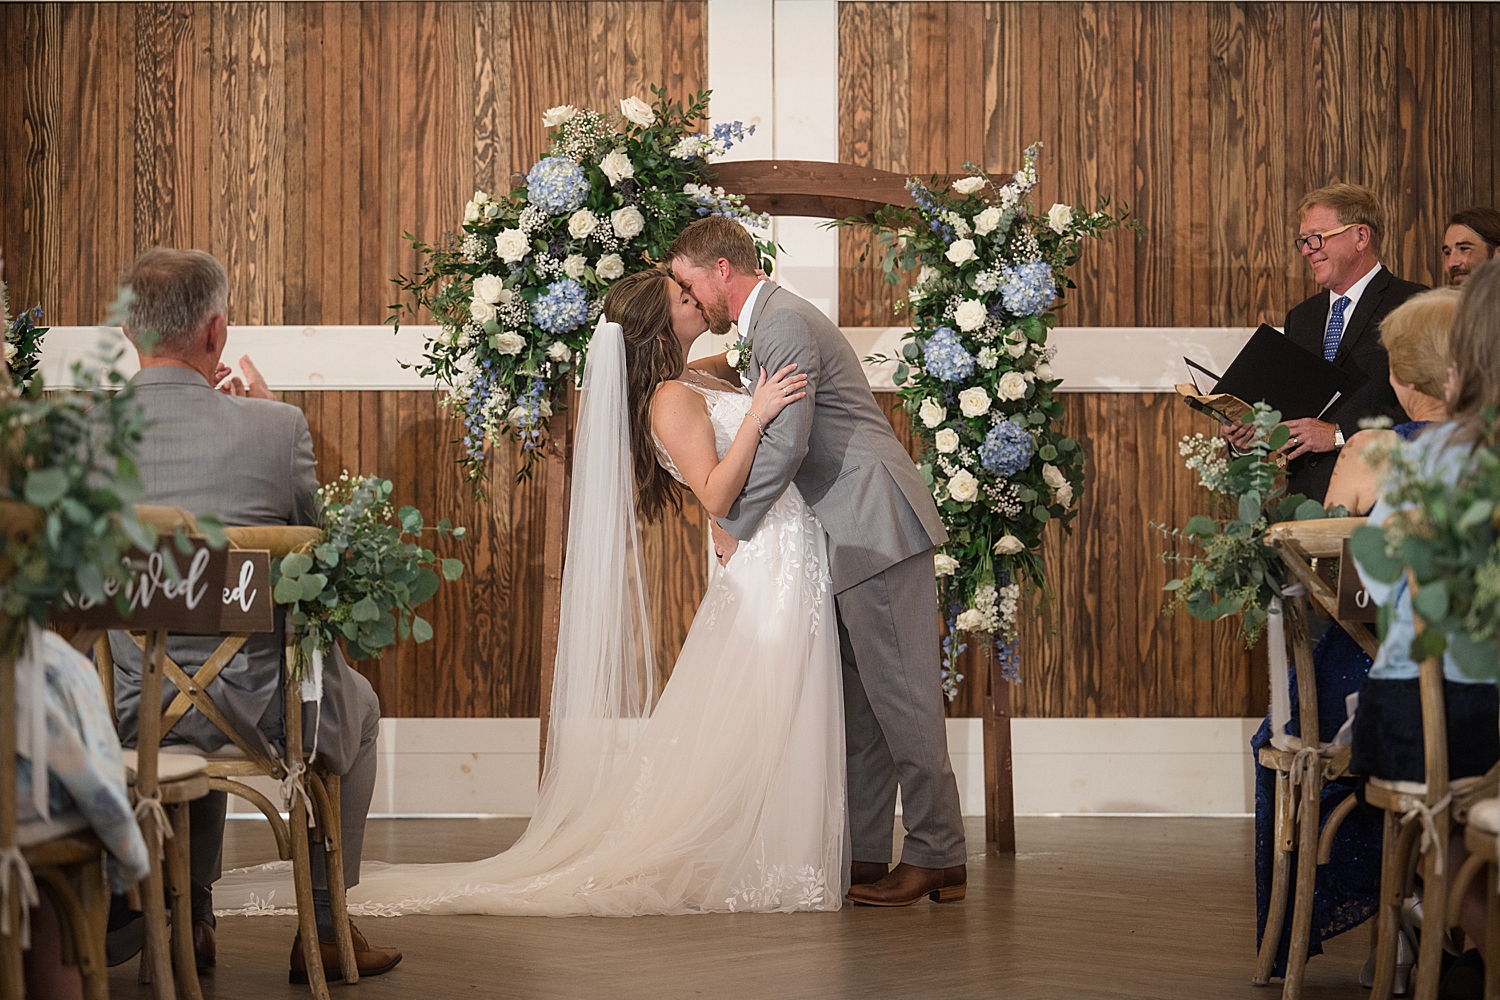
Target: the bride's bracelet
(760, 428)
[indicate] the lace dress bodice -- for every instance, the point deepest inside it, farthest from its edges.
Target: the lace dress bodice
(727, 407)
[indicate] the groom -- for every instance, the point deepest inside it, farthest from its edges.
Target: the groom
(882, 526)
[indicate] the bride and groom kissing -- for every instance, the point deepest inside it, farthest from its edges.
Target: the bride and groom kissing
(813, 658)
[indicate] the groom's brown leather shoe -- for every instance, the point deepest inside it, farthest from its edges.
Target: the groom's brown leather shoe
(868, 872)
(370, 961)
(907, 883)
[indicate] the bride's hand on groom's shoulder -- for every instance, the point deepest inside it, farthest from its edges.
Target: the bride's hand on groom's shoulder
(773, 393)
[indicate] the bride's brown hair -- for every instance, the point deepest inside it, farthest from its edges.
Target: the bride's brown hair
(641, 303)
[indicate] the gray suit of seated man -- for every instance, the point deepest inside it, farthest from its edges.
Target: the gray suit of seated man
(250, 461)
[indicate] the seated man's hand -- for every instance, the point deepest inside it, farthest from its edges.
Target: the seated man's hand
(1239, 435)
(1308, 434)
(724, 542)
(252, 385)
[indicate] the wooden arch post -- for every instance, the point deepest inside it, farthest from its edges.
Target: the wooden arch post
(824, 191)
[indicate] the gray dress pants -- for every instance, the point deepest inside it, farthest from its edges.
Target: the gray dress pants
(893, 712)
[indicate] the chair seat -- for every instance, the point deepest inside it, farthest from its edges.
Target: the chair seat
(171, 766)
(39, 831)
(64, 850)
(1335, 758)
(1403, 796)
(1485, 816)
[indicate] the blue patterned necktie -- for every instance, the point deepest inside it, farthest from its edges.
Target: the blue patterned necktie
(1335, 331)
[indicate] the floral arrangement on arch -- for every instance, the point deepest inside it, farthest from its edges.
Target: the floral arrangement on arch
(976, 376)
(516, 294)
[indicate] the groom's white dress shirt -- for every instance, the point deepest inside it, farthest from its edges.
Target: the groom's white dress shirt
(748, 309)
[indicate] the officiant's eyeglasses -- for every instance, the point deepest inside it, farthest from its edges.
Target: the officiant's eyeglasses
(1313, 242)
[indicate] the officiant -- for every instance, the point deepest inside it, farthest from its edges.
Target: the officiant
(1340, 229)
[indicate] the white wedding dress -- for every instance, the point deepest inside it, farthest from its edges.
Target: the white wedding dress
(730, 796)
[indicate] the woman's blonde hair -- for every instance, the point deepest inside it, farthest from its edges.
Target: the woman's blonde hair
(1415, 335)
(1474, 346)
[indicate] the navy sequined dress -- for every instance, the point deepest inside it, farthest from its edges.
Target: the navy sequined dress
(1347, 889)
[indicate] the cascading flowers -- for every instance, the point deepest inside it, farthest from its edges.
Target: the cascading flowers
(516, 294)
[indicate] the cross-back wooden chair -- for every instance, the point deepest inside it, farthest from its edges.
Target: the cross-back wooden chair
(69, 868)
(1482, 838)
(314, 793)
(1303, 765)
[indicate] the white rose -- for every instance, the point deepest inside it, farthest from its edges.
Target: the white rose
(517, 416)
(471, 213)
(480, 197)
(616, 166)
(10, 352)
(582, 223)
(974, 402)
(1053, 477)
(509, 342)
(628, 222)
(489, 287)
(637, 111)
(1015, 348)
(932, 412)
(1009, 545)
(1044, 372)
(559, 351)
(732, 357)
(968, 185)
(1064, 494)
(961, 251)
(944, 565)
(481, 311)
(946, 440)
(1059, 216)
(970, 315)
(554, 117)
(573, 266)
(610, 267)
(970, 621)
(963, 487)
(927, 275)
(986, 221)
(511, 245)
(1012, 386)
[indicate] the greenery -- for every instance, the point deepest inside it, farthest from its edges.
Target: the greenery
(23, 340)
(1237, 573)
(364, 581)
(1446, 535)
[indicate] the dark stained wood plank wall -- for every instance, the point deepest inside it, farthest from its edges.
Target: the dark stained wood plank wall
(1209, 119)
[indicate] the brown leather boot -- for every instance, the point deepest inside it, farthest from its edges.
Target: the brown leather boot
(205, 946)
(907, 883)
(868, 872)
(371, 961)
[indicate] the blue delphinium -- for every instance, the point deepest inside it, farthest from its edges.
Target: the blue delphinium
(564, 307)
(1028, 289)
(556, 184)
(929, 206)
(952, 650)
(1007, 449)
(945, 358)
(529, 427)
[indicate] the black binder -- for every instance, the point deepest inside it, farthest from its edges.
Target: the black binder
(1289, 378)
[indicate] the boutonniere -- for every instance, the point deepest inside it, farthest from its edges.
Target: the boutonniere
(738, 354)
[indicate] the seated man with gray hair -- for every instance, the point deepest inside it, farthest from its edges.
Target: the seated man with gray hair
(249, 460)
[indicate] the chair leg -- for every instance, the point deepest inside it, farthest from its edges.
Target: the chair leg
(1307, 874)
(156, 958)
(302, 880)
(93, 896)
(1281, 870)
(1388, 914)
(333, 858)
(179, 882)
(1492, 934)
(1435, 916)
(12, 971)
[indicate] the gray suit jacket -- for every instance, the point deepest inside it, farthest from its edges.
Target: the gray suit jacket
(251, 462)
(836, 445)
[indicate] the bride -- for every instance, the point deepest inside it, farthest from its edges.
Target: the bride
(727, 794)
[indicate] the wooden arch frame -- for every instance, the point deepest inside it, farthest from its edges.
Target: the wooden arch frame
(818, 190)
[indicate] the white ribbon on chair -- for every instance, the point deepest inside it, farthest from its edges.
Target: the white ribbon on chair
(13, 865)
(293, 787)
(1281, 698)
(1430, 839)
(161, 827)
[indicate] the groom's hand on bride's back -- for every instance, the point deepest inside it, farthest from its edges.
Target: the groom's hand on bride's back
(724, 542)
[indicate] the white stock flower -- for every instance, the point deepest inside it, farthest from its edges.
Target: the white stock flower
(637, 111)
(554, 117)
(987, 358)
(1059, 217)
(610, 267)
(509, 342)
(1053, 477)
(628, 222)
(970, 621)
(968, 185)
(986, 221)
(511, 245)
(481, 312)
(1064, 494)
(944, 565)
(582, 223)
(961, 251)
(489, 287)
(1012, 386)
(974, 401)
(1009, 195)
(573, 266)
(963, 487)
(946, 440)
(1009, 545)
(932, 412)
(616, 166)
(559, 351)
(970, 315)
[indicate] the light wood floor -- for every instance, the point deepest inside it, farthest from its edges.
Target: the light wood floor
(1117, 908)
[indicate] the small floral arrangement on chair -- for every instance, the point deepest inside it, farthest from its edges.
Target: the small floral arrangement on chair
(365, 580)
(23, 341)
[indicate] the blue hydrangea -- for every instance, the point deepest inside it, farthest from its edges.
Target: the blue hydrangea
(1007, 449)
(556, 185)
(1028, 289)
(564, 307)
(944, 356)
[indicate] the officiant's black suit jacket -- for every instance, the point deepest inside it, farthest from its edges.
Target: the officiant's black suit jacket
(1361, 352)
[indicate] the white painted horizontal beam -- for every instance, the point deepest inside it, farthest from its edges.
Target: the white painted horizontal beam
(1068, 766)
(1089, 359)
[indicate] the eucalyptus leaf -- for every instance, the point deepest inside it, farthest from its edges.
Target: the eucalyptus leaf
(452, 569)
(1249, 508)
(44, 487)
(312, 585)
(1310, 510)
(1431, 601)
(295, 564)
(1479, 658)
(364, 610)
(287, 591)
(1367, 545)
